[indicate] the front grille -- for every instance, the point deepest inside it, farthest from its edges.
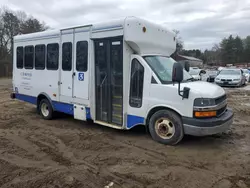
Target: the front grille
(220, 99)
(226, 80)
(221, 111)
(220, 106)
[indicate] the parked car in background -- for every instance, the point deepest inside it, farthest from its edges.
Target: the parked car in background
(220, 68)
(211, 75)
(246, 74)
(230, 77)
(196, 73)
(194, 68)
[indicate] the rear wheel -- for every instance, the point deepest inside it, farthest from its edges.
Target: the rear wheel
(166, 127)
(45, 109)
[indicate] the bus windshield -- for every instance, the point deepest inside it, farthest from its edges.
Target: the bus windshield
(163, 66)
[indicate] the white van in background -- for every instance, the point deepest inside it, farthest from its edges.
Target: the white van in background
(118, 74)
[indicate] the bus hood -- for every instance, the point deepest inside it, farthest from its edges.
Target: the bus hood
(205, 89)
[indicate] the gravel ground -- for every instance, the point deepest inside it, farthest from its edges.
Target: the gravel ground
(69, 153)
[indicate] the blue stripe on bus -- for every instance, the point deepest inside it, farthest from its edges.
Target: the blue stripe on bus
(63, 107)
(26, 98)
(58, 106)
(88, 115)
(134, 120)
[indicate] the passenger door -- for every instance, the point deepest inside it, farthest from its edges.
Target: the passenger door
(81, 68)
(140, 79)
(109, 80)
(67, 40)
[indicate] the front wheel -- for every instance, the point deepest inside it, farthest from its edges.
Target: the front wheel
(166, 127)
(45, 109)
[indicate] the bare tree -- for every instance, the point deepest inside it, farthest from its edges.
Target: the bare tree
(11, 28)
(13, 23)
(32, 25)
(179, 41)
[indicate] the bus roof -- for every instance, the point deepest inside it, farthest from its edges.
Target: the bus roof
(143, 37)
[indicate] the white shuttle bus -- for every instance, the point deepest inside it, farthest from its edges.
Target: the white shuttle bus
(118, 74)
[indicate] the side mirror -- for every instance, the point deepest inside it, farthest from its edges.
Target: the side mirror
(177, 76)
(202, 72)
(187, 66)
(177, 73)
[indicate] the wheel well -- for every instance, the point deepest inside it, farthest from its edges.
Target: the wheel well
(155, 109)
(39, 98)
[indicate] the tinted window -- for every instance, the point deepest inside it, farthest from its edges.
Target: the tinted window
(19, 57)
(136, 84)
(67, 56)
(40, 57)
(82, 56)
(52, 56)
(29, 57)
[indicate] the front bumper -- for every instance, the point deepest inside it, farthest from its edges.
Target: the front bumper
(211, 79)
(232, 83)
(203, 127)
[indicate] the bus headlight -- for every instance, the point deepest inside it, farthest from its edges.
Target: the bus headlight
(202, 102)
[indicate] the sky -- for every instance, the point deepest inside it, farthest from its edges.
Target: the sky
(201, 23)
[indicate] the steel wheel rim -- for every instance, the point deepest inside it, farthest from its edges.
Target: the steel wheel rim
(45, 109)
(164, 128)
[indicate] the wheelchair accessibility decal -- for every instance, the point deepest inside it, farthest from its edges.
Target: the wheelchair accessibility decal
(80, 76)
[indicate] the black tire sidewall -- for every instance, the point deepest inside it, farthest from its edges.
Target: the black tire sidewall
(175, 119)
(49, 117)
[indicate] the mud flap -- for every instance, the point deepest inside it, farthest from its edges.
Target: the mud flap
(80, 112)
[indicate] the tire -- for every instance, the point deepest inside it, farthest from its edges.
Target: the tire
(242, 83)
(166, 127)
(45, 109)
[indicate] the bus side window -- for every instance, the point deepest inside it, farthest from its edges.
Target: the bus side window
(29, 57)
(19, 57)
(40, 57)
(52, 56)
(67, 56)
(82, 56)
(136, 84)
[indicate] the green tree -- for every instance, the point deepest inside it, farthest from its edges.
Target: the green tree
(198, 53)
(238, 49)
(247, 49)
(228, 53)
